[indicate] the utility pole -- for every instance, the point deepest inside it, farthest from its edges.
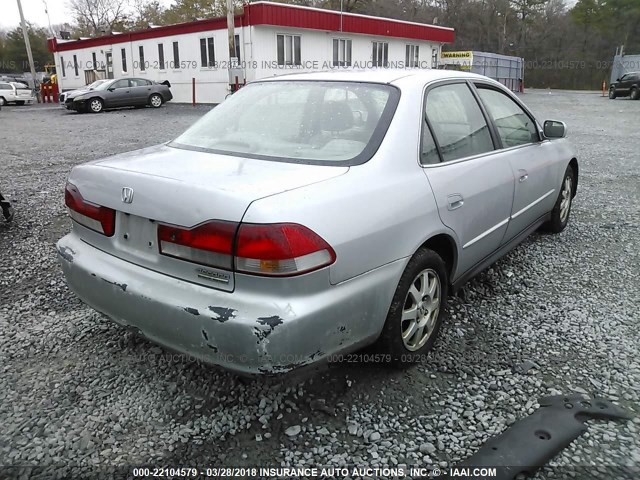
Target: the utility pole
(231, 29)
(27, 44)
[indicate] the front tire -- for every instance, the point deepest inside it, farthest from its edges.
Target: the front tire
(96, 105)
(155, 100)
(417, 309)
(3, 102)
(561, 210)
(612, 93)
(635, 94)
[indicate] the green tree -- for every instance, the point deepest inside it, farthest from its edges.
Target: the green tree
(190, 10)
(14, 52)
(147, 13)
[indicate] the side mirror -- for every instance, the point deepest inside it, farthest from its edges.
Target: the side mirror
(554, 129)
(617, 79)
(111, 89)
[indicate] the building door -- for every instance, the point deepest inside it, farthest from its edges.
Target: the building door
(109, 58)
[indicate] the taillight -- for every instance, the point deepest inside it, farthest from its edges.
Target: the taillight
(210, 243)
(280, 249)
(90, 215)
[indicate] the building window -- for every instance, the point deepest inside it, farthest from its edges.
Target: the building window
(207, 53)
(123, 52)
(412, 56)
(95, 60)
(236, 41)
(176, 55)
(288, 49)
(142, 65)
(75, 65)
(64, 73)
(341, 52)
(161, 56)
(380, 54)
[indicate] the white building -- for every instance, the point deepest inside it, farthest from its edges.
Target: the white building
(271, 39)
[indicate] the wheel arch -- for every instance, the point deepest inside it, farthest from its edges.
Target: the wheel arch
(96, 97)
(573, 163)
(445, 246)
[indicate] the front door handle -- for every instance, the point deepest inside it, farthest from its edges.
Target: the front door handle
(454, 201)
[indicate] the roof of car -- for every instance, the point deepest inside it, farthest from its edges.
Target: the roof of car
(382, 75)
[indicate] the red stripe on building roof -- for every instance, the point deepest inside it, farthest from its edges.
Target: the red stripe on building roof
(279, 15)
(282, 15)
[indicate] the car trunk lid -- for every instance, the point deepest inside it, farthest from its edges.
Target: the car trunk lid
(24, 92)
(181, 187)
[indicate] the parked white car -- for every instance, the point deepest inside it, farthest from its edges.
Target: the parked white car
(14, 92)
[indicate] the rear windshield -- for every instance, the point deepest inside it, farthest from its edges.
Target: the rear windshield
(298, 121)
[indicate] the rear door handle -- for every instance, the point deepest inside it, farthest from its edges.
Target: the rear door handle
(454, 201)
(523, 175)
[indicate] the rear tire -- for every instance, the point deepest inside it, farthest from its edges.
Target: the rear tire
(562, 209)
(155, 100)
(635, 94)
(612, 93)
(417, 310)
(95, 105)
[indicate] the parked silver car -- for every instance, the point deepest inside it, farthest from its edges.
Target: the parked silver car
(122, 92)
(311, 215)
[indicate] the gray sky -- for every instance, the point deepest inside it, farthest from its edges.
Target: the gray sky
(34, 12)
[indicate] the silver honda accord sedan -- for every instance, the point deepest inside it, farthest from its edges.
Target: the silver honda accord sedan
(311, 215)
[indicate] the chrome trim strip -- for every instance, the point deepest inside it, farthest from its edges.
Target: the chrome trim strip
(484, 234)
(532, 204)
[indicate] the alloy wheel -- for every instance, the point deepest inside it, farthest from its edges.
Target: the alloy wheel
(95, 105)
(156, 101)
(421, 309)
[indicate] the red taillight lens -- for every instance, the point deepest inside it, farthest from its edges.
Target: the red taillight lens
(90, 215)
(280, 249)
(209, 244)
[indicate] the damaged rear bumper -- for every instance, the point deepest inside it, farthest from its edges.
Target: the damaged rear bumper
(249, 330)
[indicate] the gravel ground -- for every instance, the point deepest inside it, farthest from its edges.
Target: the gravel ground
(557, 315)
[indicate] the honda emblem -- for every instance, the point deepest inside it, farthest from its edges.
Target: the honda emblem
(127, 194)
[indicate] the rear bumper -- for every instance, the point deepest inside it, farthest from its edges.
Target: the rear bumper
(241, 331)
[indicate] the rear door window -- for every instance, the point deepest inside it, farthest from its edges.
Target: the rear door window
(457, 122)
